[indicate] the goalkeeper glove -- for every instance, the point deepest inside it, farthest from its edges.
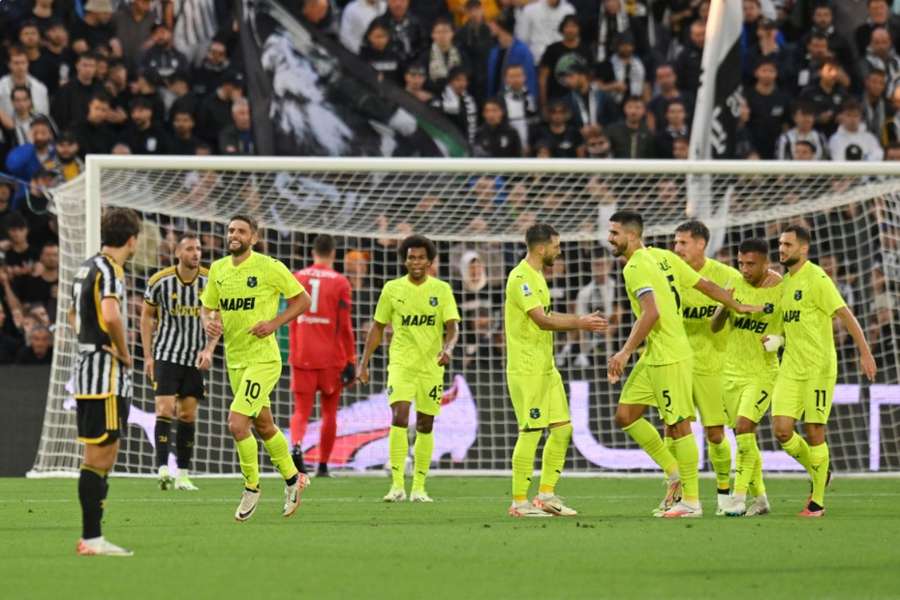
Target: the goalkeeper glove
(348, 374)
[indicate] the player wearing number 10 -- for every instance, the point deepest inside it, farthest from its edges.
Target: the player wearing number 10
(241, 302)
(423, 315)
(805, 384)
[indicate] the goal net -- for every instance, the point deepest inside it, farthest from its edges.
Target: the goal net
(477, 212)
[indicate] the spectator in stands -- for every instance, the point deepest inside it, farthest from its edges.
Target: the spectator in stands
(38, 349)
(596, 144)
(178, 94)
(826, 96)
(56, 44)
(558, 59)
(214, 113)
(809, 65)
(25, 160)
(496, 138)
(237, 138)
(71, 101)
(805, 150)
(9, 344)
(519, 105)
(482, 344)
(40, 284)
(213, 70)
(803, 131)
(666, 90)
(18, 76)
(183, 140)
(507, 52)
(16, 127)
(613, 22)
(355, 20)
(875, 107)
(589, 104)
(6, 197)
(537, 25)
(558, 138)
(198, 22)
(769, 107)
(94, 134)
(598, 295)
(408, 38)
(133, 25)
(852, 134)
(880, 54)
(118, 88)
(143, 135)
(688, 62)
(823, 24)
(630, 137)
(95, 29)
(381, 55)
(623, 73)
(146, 85)
(752, 17)
(414, 78)
(20, 255)
(42, 65)
(443, 54)
(67, 163)
(674, 127)
(475, 41)
(161, 57)
(457, 103)
(879, 16)
(771, 46)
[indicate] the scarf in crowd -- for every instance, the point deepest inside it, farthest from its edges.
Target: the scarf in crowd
(439, 64)
(604, 35)
(631, 73)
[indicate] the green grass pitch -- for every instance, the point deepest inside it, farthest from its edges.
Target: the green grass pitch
(345, 543)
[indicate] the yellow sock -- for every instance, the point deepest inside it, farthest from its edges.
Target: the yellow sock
(523, 463)
(757, 485)
(642, 432)
(248, 456)
(422, 451)
(554, 457)
(799, 449)
(277, 447)
(720, 459)
(687, 455)
(819, 459)
(398, 445)
(747, 458)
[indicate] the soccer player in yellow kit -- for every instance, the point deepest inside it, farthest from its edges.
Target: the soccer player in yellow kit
(691, 240)
(662, 375)
(425, 322)
(750, 370)
(535, 386)
(805, 384)
(241, 302)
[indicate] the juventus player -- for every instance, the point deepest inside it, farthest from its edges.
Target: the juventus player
(323, 351)
(172, 311)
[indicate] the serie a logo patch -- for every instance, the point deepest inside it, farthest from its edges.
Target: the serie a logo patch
(433, 301)
(798, 294)
(251, 282)
(526, 291)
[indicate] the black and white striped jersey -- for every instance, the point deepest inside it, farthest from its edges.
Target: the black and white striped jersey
(179, 333)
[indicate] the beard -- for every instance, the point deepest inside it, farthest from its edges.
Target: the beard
(789, 262)
(242, 247)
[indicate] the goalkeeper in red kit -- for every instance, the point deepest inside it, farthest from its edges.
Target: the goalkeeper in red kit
(323, 351)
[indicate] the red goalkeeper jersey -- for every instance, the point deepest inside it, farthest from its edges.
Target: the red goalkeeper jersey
(322, 337)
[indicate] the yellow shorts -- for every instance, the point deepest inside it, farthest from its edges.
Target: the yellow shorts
(747, 398)
(538, 400)
(252, 386)
(667, 387)
(424, 389)
(708, 393)
(807, 399)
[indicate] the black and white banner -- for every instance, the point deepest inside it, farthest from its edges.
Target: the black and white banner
(311, 97)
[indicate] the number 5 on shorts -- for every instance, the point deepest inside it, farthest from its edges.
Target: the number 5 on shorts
(668, 406)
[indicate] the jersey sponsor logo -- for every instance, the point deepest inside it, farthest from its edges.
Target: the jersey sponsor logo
(792, 316)
(237, 303)
(410, 320)
(251, 281)
(181, 310)
(699, 312)
(798, 294)
(433, 301)
(751, 325)
(526, 291)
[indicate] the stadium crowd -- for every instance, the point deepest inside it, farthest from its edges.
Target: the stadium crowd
(541, 78)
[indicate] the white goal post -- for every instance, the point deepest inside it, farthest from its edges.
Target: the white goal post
(476, 211)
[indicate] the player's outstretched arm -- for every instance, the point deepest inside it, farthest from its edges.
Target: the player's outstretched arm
(148, 324)
(109, 309)
(639, 332)
(567, 322)
(720, 317)
(296, 306)
(721, 295)
(451, 334)
(373, 340)
(866, 360)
